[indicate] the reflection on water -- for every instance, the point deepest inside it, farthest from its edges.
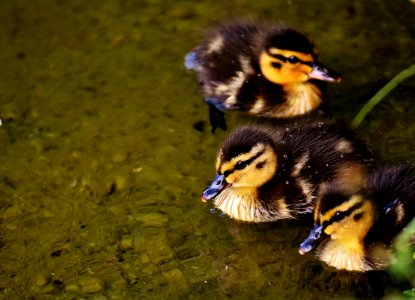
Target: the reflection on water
(101, 166)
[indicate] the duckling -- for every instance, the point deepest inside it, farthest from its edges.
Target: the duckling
(266, 174)
(354, 230)
(265, 70)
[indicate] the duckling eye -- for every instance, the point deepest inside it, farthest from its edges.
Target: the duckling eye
(338, 216)
(293, 59)
(240, 165)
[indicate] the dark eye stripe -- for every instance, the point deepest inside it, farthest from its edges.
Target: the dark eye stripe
(248, 161)
(339, 215)
(227, 173)
(280, 57)
(285, 59)
(245, 162)
(308, 63)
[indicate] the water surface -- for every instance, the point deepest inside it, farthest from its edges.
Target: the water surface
(101, 167)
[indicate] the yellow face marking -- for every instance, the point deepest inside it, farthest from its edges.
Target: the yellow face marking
(229, 165)
(346, 247)
(342, 207)
(350, 230)
(251, 175)
(286, 73)
(218, 159)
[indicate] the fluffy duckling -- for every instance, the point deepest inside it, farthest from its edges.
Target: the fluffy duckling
(266, 70)
(354, 230)
(265, 174)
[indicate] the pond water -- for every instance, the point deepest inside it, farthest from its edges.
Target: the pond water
(101, 167)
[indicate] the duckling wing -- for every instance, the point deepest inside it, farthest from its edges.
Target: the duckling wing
(327, 146)
(225, 50)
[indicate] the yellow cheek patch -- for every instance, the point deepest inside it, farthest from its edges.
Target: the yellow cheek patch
(366, 222)
(288, 73)
(294, 73)
(232, 177)
(303, 69)
(328, 230)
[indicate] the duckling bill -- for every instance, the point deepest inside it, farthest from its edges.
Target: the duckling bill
(266, 174)
(354, 230)
(265, 70)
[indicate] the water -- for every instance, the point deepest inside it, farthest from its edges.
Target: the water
(101, 167)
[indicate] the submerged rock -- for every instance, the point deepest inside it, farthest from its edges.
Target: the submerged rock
(72, 288)
(159, 251)
(126, 242)
(139, 242)
(90, 285)
(42, 279)
(176, 279)
(153, 219)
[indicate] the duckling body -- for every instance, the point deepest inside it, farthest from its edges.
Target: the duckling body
(266, 174)
(354, 230)
(264, 70)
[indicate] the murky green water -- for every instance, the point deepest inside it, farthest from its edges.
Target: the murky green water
(101, 168)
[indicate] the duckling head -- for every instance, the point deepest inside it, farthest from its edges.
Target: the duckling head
(246, 159)
(343, 218)
(288, 57)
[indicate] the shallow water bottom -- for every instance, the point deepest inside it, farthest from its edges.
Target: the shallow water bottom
(105, 149)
